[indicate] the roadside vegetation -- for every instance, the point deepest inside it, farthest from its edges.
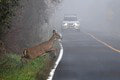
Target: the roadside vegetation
(10, 63)
(11, 68)
(7, 9)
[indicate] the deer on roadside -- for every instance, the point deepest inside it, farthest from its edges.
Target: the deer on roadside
(38, 50)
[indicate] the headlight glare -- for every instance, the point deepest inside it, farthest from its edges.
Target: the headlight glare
(65, 24)
(76, 24)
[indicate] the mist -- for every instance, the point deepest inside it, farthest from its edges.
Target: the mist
(93, 52)
(94, 14)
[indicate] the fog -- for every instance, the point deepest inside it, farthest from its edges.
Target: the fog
(90, 53)
(30, 24)
(94, 14)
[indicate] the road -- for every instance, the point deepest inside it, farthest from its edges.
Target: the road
(85, 58)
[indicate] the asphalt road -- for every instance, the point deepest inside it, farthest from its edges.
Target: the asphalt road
(87, 59)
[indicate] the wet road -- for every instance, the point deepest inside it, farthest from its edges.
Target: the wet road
(87, 59)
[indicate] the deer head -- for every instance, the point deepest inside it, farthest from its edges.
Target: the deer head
(57, 35)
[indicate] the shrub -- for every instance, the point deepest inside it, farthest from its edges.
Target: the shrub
(6, 12)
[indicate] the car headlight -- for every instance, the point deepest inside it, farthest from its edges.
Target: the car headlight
(76, 24)
(65, 24)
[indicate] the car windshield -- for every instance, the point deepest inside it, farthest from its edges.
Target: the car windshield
(70, 18)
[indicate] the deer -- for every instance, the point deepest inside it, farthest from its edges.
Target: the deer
(42, 48)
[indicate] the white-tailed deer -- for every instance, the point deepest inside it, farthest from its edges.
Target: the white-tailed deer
(38, 50)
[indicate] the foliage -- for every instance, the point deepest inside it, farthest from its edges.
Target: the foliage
(6, 11)
(12, 69)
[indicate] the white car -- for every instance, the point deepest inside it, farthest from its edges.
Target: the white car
(70, 22)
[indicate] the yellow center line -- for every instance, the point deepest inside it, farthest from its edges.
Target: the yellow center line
(107, 45)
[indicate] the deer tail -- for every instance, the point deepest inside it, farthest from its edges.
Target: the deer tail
(24, 53)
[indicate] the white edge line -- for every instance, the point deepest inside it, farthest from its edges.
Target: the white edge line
(51, 74)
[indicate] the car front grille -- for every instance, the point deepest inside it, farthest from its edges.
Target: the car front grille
(70, 24)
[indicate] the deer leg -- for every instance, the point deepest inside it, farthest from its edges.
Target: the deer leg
(21, 64)
(54, 50)
(23, 61)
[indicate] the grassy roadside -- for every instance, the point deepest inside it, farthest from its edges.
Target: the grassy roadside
(37, 69)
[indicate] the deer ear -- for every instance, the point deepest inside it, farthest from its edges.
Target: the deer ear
(54, 31)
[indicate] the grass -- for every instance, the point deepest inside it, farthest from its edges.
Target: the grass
(11, 69)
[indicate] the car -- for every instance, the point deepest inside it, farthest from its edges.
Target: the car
(70, 22)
